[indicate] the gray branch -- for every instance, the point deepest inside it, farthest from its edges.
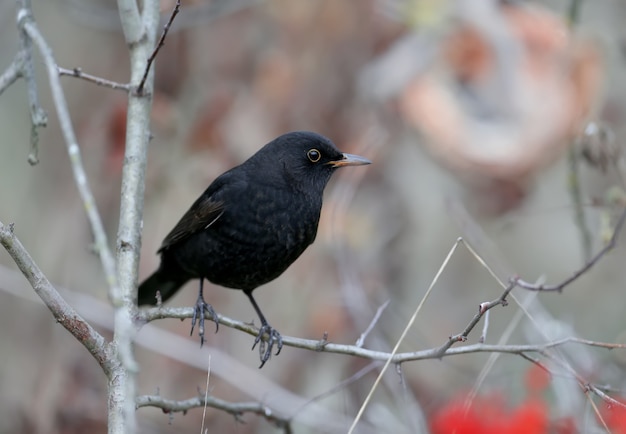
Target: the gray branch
(61, 310)
(140, 32)
(22, 67)
(37, 114)
(27, 23)
(78, 73)
(325, 346)
(12, 73)
(237, 409)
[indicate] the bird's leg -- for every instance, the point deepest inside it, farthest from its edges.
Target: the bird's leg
(274, 336)
(198, 313)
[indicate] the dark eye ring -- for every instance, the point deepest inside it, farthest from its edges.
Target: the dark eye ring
(314, 155)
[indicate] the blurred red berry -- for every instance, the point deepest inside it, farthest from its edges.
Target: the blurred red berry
(537, 379)
(615, 417)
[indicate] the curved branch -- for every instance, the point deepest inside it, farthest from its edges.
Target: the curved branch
(483, 308)
(588, 265)
(61, 310)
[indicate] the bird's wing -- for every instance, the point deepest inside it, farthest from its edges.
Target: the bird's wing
(200, 216)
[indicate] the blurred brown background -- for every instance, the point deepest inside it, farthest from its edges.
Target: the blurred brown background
(468, 114)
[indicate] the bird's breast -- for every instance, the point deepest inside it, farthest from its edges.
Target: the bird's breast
(283, 220)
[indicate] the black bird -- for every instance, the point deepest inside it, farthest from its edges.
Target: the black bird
(249, 225)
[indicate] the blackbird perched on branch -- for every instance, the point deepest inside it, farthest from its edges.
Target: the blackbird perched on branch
(249, 225)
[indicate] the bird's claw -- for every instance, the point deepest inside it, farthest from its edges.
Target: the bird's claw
(198, 315)
(265, 348)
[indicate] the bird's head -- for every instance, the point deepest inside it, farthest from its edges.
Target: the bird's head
(306, 159)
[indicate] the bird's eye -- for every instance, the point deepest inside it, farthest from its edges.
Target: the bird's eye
(314, 155)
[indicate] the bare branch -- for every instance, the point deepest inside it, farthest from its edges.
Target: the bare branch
(236, 409)
(483, 308)
(370, 327)
(38, 116)
(78, 73)
(61, 310)
(158, 47)
(483, 335)
(22, 67)
(27, 23)
(341, 385)
(206, 393)
(151, 314)
(593, 261)
(608, 399)
(582, 382)
(12, 73)
(128, 13)
(140, 33)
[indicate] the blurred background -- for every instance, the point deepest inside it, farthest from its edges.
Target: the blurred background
(496, 121)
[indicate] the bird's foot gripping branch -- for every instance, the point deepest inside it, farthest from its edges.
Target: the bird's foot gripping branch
(198, 314)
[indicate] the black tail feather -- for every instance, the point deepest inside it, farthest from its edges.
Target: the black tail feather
(166, 285)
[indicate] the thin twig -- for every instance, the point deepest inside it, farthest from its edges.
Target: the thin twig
(12, 73)
(482, 309)
(403, 335)
(493, 357)
(483, 336)
(586, 387)
(38, 116)
(588, 265)
(236, 409)
(22, 67)
(370, 327)
(158, 47)
(61, 310)
(606, 398)
(78, 73)
(339, 386)
(206, 394)
(100, 239)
